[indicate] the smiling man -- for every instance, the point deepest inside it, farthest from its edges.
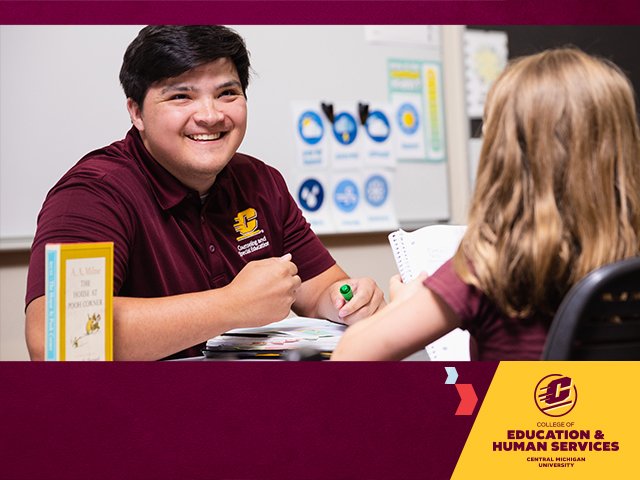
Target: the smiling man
(206, 239)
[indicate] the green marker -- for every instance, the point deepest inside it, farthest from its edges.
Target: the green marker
(345, 291)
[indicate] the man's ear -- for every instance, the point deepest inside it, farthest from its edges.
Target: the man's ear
(135, 114)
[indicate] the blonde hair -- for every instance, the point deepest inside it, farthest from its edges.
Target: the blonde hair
(558, 185)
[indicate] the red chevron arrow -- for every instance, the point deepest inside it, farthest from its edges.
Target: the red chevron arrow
(468, 399)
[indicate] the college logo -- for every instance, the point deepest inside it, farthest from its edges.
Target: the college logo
(246, 224)
(555, 395)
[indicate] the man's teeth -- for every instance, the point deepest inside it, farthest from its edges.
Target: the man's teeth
(204, 137)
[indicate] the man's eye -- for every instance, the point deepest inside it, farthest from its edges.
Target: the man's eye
(230, 93)
(179, 96)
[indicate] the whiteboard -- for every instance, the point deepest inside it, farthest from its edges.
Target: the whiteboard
(60, 98)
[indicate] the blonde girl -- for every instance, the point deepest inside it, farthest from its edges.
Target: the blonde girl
(557, 195)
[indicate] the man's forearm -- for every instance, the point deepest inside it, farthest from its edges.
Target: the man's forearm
(153, 328)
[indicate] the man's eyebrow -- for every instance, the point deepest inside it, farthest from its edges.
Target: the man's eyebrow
(189, 88)
(230, 83)
(177, 88)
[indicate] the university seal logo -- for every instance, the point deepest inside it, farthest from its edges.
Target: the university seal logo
(555, 395)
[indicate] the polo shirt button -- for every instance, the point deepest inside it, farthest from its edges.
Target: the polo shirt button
(212, 247)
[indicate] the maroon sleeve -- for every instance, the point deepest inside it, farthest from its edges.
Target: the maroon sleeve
(494, 336)
(309, 254)
(79, 210)
(465, 300)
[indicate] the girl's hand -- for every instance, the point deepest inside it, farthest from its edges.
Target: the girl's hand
(399, 291)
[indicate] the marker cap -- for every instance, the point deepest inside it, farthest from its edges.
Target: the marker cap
(345, 291)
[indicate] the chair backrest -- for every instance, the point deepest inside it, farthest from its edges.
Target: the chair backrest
(599, 318)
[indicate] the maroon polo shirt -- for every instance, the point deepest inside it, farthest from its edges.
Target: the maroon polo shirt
(497, 337)
(166, 242)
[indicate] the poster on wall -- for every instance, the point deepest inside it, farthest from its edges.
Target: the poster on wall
(415, 92)
(311, 134)
(434, 118)
(345, 137)
(345, 165)
(406, 96)
(378, 207)
(346, 201)
(378, 136)
(485, 56)
(311, 196)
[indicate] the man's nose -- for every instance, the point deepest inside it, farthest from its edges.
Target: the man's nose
(208, 112)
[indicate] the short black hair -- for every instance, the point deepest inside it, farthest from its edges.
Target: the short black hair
(166, 51)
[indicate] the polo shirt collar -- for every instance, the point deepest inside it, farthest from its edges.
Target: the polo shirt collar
(168, 190)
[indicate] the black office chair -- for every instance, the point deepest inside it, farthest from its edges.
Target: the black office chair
(599, 318)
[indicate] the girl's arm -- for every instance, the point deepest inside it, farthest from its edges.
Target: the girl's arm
(414, 318)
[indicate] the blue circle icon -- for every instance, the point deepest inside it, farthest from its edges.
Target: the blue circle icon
(345, 128)
(310, 127)
(376, 190)
(311, 195)
(408, 118)
(377, 126)
(346, 196)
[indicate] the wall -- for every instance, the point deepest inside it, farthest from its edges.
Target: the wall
(13, 277)
(291, 63)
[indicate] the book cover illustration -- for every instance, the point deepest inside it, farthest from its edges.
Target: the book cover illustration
(79, 297)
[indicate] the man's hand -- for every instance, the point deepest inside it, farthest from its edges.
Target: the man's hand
(319, 297)
(264, 290)
(367, 299)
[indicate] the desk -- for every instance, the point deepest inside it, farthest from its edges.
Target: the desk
(278, 338)
(419, 356)
(300, 338)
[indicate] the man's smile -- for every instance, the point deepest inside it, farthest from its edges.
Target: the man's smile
(205, 137)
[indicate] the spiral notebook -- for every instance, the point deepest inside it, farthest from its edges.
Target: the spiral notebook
(425, 250)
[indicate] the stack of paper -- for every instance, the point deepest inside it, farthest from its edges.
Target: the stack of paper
(287, 334)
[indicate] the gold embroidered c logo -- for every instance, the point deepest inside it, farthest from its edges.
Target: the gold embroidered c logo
(246, 224)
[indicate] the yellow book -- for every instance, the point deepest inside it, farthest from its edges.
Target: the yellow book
(79, 301)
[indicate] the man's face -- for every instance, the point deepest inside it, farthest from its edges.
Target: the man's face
(194, 123)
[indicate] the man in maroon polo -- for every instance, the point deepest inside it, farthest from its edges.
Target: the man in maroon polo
(206, 239)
